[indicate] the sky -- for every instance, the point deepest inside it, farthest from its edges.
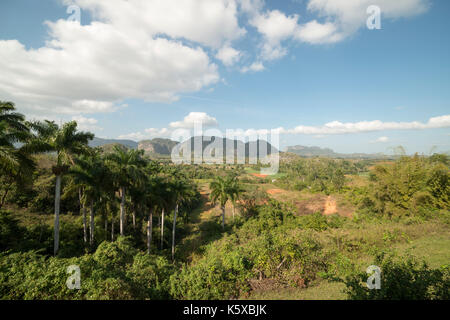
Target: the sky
(311, 69)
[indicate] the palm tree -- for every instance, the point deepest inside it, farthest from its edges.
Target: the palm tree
(91, 174)
(12, 130)
(235, 192)
(67, 142)
(17, 144)
(164, 205)
(153, 201)
(180, 191)
(221, 192)
(126, 167)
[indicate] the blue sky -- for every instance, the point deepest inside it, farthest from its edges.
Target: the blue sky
(334, 70)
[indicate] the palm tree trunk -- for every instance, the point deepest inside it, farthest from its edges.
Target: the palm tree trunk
(57, 204)
(134, 219)
(84, 225)
(149, 230)
(223, 217)
(122, 211)
(106, 228)
(83, 212)
(162, 229)
(112, 228)
(91, 224)
(173, 231)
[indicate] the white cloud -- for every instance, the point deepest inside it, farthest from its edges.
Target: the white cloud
(195, 117)
(380, 139)
(135, 136)
(187, 123)
(276, 27)
(348, 16)
(254, 67)
(156, 50)
(132, 49)
(342, 19)
(337, 127)
(87, 124)
(228, 55)
(209, 22)
(315, 33)
(331, 128)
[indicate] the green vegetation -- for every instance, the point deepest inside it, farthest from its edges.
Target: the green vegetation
(145, 229)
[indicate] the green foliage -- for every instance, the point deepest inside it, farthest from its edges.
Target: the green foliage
(115, 271)
(264, 247)
(318, 175)
(11, 234)
(401, 279)
(409, 186)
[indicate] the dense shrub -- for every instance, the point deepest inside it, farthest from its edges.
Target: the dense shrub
(401, 279)
(267, 246)
(115, 271)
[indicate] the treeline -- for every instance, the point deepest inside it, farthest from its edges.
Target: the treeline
(411, 186)
(318, 174)
(114, 185)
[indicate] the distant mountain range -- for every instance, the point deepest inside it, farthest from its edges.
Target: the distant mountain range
(100, 142)
(326, 152)
(163, 147)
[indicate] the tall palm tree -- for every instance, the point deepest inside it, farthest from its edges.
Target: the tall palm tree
(153, 200)
(235, 192)
(17, 145)
(180, 191)
(92, 175)
(165, 200)
(221, 192)
(67, 142)
(126, 166)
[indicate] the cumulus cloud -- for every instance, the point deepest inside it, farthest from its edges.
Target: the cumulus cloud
(316, 33)
(149, 133)
(254, 67)
(195, 117)
(87, 124)
(187, 123)
(209, 22)
(337, 127)
(331, 128)
(156, 50)
(381, 139)
(347, 16)
(92, 68)
(275, 27)
(228, 55)
(342, 18)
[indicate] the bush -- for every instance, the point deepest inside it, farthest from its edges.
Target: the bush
(115, 271)
(401, 279)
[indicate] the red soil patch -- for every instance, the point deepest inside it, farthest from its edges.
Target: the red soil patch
(330, 206)
(259, 175)
(275, 191)
(324, 205)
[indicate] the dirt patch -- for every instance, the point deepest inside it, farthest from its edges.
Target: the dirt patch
(311, 205)
(259, 175)
(330, 206)
(275, 191)
(326, 205)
